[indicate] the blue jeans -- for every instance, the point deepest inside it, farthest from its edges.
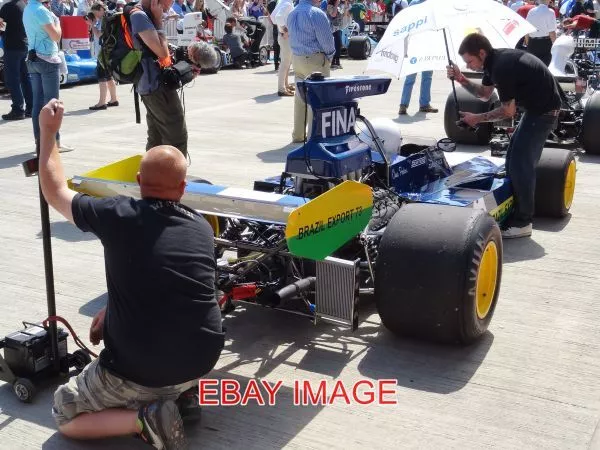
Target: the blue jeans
(522, 157)
(425, 97)
(45, 83)
(17, 80)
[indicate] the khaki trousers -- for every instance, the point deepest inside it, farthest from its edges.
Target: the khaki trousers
(303, 67)
(285, 53)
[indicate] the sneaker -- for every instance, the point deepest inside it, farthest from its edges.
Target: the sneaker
(513, 232)
(428, 109)
(188, 405)
(64, 149)
(402, 111)
(162, 426)
(14, 115)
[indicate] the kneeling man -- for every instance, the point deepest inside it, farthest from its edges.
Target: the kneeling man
(162, 325)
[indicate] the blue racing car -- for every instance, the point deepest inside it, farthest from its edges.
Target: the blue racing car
(362, 213)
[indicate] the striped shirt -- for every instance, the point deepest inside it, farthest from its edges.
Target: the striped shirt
(310, 31)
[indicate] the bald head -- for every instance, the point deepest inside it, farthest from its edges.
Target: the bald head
(162, 173)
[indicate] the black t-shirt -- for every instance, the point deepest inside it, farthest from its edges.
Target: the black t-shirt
(14, 35)
(522, 77)
(163, 323)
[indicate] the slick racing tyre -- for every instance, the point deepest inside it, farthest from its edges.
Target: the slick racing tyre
(467, 103)
(590, 128)
(359, 47)
(555, 183)
(438, 271)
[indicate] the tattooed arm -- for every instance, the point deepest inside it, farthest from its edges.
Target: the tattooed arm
(478, 90)
(504, 111)
(481, 91)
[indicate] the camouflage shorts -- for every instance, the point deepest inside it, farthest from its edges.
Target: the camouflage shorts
(96, 389)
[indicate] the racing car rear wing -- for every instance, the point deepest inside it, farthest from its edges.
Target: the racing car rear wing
(314, 228)
(119, 178)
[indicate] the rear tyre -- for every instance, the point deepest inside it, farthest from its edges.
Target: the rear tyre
(555, 183)
(438, 272)
(359, 47)
(590, 128)
(467, 103)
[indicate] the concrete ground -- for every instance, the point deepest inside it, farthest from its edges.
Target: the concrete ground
(531, 382)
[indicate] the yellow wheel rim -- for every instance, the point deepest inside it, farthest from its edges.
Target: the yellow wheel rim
(570, 185)
(487, 277)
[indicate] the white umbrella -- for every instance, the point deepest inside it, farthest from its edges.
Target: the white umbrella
(424, 36)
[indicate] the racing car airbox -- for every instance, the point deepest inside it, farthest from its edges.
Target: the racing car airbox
(333, 149)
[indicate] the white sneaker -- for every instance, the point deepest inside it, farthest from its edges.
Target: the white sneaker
(517, 232)
(64, 148)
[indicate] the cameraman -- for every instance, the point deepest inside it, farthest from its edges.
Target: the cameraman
(164, 111)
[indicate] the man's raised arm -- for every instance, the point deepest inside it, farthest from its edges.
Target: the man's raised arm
(51, 172)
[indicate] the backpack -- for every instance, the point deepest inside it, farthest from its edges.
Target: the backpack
(118, 54)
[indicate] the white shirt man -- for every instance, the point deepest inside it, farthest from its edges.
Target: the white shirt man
(544, 19)
(539, 43)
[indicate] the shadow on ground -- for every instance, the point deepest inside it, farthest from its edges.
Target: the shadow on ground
(279, 155)
(66, 231)
(523, 249)
(80, 112)
(551, 225)
(92, 307)
(327, 349)
(590, 159)
(269, 340)
(268, 98)
(15, 160)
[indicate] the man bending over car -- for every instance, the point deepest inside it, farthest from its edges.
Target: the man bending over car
(522, 79)
(162, 325)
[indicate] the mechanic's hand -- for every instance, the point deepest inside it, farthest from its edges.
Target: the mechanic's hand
(454, 73)
(97, 327)
(51, 116)
(470, 119)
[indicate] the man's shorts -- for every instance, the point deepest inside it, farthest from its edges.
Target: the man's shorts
(96, 389)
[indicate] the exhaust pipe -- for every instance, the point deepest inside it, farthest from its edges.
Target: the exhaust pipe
(294, 290)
